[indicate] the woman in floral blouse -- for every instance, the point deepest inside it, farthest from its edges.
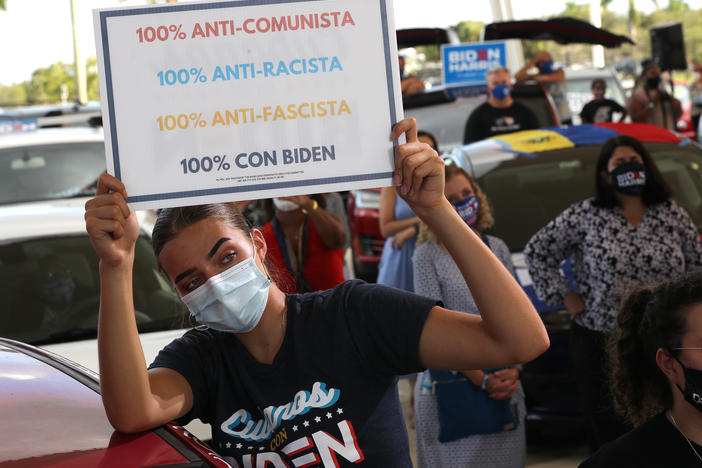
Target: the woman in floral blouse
(631, 233)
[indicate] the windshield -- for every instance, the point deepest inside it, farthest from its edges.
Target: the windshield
(50, 291)
(526, 193)
(46, 172)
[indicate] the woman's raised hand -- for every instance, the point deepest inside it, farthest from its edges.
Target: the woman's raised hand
(113, 228)
(419, 171)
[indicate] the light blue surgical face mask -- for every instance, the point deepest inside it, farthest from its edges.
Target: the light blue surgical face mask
(232, 301)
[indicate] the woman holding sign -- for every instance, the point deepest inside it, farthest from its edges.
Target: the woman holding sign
(295, 379)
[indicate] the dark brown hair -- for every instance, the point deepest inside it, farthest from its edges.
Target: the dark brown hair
(650, 319)
(655, 191)
(171, 221)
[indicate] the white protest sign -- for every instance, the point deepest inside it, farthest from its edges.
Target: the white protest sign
(235, 100)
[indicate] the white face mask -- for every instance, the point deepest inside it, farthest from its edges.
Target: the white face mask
(285, 205)
(232, 301)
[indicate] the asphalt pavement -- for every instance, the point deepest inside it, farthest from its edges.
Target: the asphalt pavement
(562, 454)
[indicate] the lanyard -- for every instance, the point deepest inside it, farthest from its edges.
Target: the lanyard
(294, 261)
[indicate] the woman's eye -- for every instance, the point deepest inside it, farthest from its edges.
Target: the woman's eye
(228, 258)
(192, 284)
(467, 193)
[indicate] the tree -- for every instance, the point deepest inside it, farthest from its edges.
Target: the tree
(12, 96)
(469, 31)
(677, 6)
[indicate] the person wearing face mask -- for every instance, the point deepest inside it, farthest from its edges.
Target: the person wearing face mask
(657, 378)
(500, 113)
(306, 244)
(553, 79)
(294, 379)
(650, 103)
(630, 233)
(436, 275)
(600, 109)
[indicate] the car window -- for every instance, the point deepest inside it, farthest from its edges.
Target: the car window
(48, 172)
(50, 291)
(526, 193)
(579, 92)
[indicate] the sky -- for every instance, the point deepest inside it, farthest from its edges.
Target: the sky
(37, 33)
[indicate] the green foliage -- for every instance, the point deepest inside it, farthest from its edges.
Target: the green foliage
(469, 31)
(12, 96)
(46, 85)
(677, 6)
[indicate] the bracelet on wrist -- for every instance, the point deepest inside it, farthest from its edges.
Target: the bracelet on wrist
(483, 386)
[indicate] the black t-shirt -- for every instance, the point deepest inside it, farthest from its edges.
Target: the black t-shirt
(654, 444)
(600, 110)
(330, 394)
(486, 121)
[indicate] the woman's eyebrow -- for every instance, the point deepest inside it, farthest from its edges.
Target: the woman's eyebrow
(183, 275)
(216, 246)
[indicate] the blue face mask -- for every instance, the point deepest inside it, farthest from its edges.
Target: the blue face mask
(546, 68)
(232, 301)
(501, 91)
(468, 209)
(629, 178)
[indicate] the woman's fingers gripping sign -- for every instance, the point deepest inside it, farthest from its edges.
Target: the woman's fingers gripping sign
(419, 171)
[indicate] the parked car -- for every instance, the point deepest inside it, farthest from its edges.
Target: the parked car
(579, 88)
(49, 272)
(53, 417)
(49, 164)
(56, 115)
(526, 192)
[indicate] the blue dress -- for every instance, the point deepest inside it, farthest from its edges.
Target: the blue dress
(395, 267)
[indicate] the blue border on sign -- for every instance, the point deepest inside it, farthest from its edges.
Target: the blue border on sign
(216, 191)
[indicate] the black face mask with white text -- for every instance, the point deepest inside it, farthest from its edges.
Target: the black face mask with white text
(693, 386)
(629, 178)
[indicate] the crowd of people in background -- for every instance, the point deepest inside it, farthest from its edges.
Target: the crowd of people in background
(635, 305)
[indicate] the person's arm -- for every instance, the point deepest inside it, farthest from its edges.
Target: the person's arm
(328, 225)
(523, 74)
(547, 249)
(557, 76)
(677, 107)
(509, 329)
(640, 107)
(135, 399)
(620, 109)
(585, 113)
(389, 226)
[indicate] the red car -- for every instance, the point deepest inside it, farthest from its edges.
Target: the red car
(52, 416)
